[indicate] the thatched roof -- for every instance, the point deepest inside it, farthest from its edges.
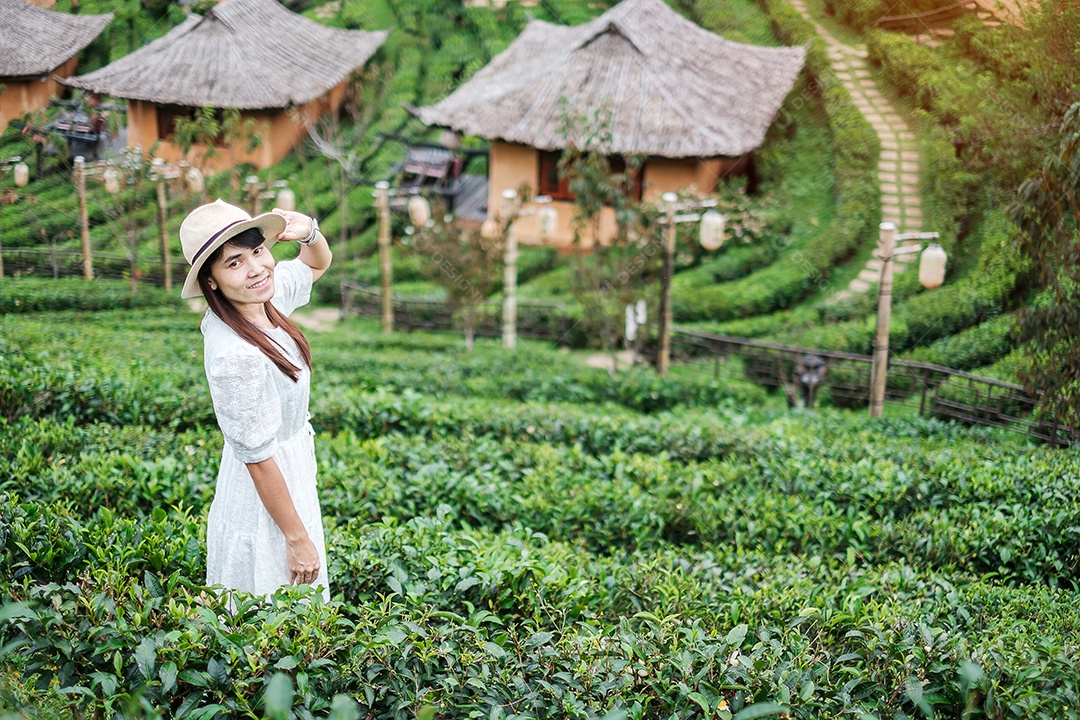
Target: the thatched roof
(662, 85)
(34, 41)
(245, 54)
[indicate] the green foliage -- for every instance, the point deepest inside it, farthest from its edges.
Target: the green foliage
(463, 263)
(1047, 211)
(23, 295)
(821, 240)
(609, 272)
(645, 547)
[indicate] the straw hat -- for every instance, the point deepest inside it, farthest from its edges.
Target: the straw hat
(208, 227)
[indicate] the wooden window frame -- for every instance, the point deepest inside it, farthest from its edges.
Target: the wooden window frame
(558, 188)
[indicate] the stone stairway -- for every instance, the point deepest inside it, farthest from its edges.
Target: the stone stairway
(898, 164)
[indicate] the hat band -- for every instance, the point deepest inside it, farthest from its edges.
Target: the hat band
(213, 238)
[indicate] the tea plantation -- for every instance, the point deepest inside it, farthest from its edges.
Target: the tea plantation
(522, 536)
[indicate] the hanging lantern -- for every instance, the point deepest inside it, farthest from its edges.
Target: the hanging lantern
(546, 218)
(22, 174)
(450, 140)
(932, 266)
(419, 210)
(286, 198)
(112, 180)
(490, 229)
(630, 331)
(711, 230)
(194, 179)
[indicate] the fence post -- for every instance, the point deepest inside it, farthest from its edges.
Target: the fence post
(163, 235)
(382, 206)
(925, 386)
(509, 313)
(84, 219)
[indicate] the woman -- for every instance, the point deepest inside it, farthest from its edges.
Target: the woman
(265, 527)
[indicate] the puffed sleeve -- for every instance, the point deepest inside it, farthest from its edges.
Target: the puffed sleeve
(246, 404)
(292, 285)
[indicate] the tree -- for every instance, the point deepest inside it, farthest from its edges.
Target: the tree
(1047, 212)
(464, 263)
(344, 143)
(609, 273)
(211, 127)
(135, 190)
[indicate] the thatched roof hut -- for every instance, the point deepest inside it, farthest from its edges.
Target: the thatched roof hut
(34, 41)
(280, 70)
(665, 86)
(245, 54)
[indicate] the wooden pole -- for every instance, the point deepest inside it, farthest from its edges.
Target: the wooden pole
(1, 246)
(663, 355)
(886, 246)
(509, 329)
(84, 219)
(382, 205)
(163, 234)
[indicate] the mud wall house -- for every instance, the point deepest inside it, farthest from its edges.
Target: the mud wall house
(280, 70)
(693, 104)
(37, 46)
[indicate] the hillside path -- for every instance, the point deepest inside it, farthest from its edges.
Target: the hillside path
(317, 319)
(898, 164)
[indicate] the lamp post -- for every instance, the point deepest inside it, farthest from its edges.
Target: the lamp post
(159, 173)
(546, 217)
(711, 237)
(382, 208)
(931, 275)
(285, 198)
(509, 324)
(84, 218)
(22, 177)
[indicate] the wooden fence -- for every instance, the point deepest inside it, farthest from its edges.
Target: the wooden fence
(933, 390)
(928, 20)
(537, 320)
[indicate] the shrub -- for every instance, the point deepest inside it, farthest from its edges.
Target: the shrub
(22, 295)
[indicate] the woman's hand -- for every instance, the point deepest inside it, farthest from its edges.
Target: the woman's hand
(303, 561)
(297, 225)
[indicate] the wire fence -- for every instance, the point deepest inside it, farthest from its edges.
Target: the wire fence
(932, 390)
(68, 262)
(536, 320)
(803, 374)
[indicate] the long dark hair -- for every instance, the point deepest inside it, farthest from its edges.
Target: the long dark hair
(224, 309)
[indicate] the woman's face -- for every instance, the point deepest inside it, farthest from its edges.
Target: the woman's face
(244, 275)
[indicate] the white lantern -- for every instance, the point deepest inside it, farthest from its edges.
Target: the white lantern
(546, 219)
(194, 179)
(419, 210)
(286, 198)
(932, 266)
(112, 180)
(450, 140)
(22, 174)
(630, 331)
(490, 229)
(711, 230)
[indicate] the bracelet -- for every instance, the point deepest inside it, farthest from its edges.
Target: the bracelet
(313, 237)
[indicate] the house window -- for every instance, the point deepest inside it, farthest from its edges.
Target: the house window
(167, 116)
(551, 184)
(558, 188)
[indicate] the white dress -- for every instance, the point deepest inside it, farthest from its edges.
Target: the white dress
(262, 413)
